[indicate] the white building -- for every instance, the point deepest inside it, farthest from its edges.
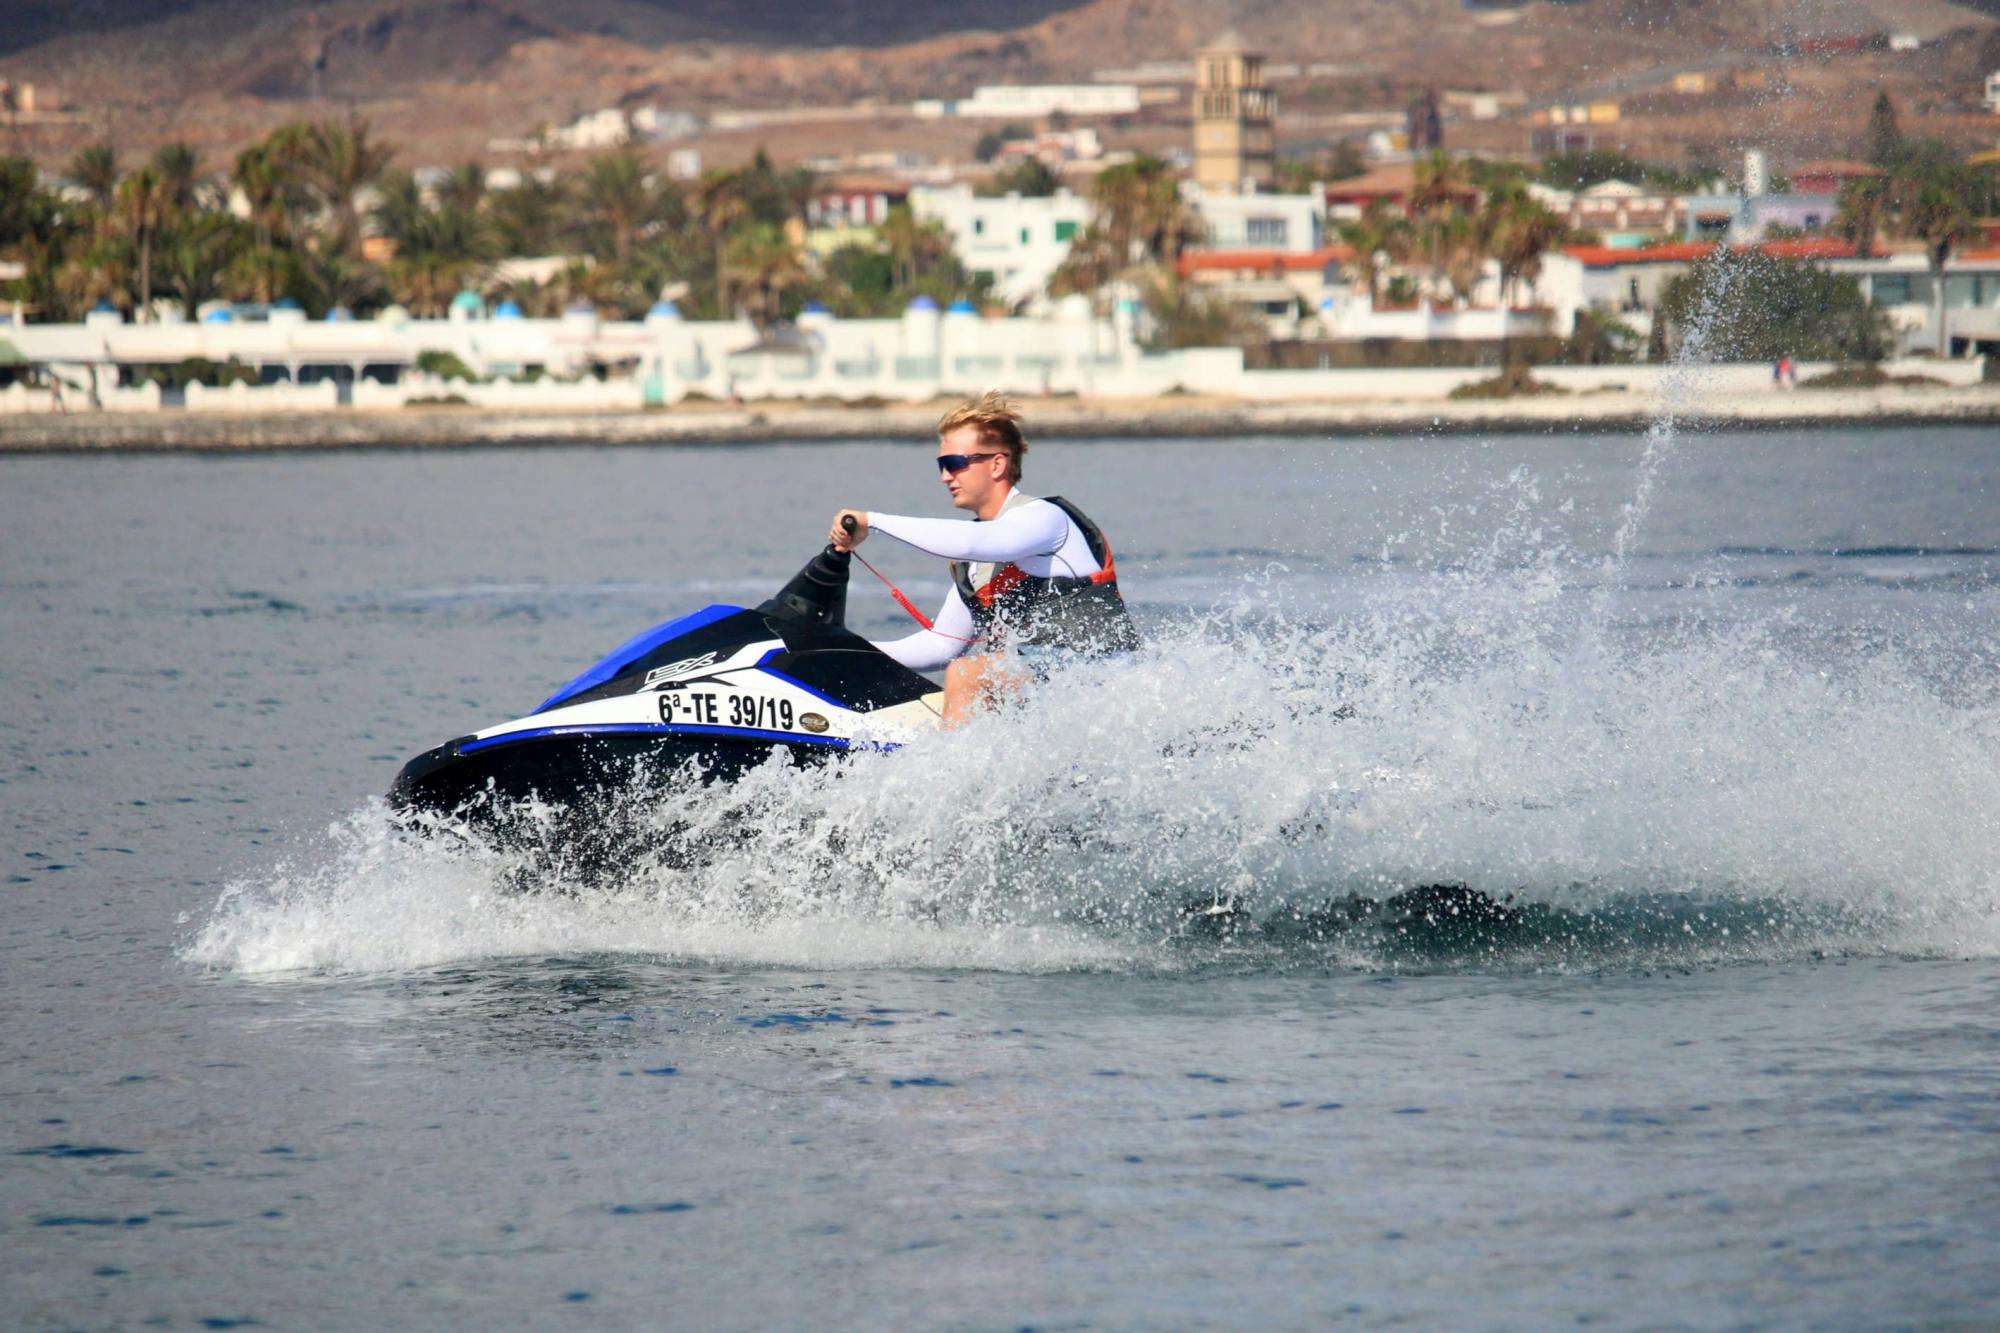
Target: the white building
(1031, 101)
(1292, 224)
(1018, 240)
(1993, 92)
(612, 128)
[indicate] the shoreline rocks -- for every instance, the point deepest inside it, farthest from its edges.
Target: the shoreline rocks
(1051, 419)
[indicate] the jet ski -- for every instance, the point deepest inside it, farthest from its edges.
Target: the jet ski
(724, 689)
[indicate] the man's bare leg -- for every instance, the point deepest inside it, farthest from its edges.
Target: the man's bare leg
(970, 684)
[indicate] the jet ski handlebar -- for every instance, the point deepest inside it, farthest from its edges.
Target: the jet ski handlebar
(818, 592)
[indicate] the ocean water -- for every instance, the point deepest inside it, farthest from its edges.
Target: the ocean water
(1112, 1010)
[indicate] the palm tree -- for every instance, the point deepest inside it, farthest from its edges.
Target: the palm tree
(1938, 216)
(339, 162)
(719, 206)
(463, 188)
(399, 207)
(197, 255)
(97, 270)
(181, 183)
(1861, 202)
(255, 177)
(602, 286)
(445, 252)
(425, 281)
(528, 219)
(333, 278)
(1460, 252)
(916, 249)
(765, 262)
(1517, 231)
(141, 202)
(618, 202)
(1438, 185)
(1381, 232)
(271, 178)
(95, 171)
(1140, 208)
(1885, 136)
(1091, 262)
(261, 273)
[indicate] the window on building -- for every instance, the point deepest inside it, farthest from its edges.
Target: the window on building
(1265, 231)
(979, 226)
(1892, 289)
(1024, 235)
(1065, 231)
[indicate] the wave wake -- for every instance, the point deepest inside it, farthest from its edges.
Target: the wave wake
(1266, 786)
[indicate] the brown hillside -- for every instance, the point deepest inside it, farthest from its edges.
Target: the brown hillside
(442, 77)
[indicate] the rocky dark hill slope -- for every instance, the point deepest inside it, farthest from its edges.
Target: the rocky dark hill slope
(449, 75)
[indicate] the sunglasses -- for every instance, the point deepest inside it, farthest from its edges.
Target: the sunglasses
(957, 463)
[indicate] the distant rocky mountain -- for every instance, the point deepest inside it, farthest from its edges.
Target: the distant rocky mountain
(456, 72)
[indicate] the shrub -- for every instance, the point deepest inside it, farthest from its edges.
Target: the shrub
(445, 365)
(1513, 382)
(1752, 307)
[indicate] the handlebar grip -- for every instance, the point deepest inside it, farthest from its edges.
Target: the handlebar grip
(847, 524)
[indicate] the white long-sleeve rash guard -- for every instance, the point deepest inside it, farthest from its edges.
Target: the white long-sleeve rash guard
(1028, 532)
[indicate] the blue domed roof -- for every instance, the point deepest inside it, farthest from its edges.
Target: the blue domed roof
(664, 310)
(507, 310)
(961, 307)
(104, 307)
(923, 303)
(284, 303)
(467, 300)
(813, 308)
(340, 314)
(219, 315)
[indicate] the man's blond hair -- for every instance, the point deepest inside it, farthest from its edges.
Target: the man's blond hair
(999, 423)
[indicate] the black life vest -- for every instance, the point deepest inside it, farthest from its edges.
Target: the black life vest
(1083, 613)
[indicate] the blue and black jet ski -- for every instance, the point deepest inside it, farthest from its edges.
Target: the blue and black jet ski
(723, 689)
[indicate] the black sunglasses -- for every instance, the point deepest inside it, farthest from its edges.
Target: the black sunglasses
(957, 463)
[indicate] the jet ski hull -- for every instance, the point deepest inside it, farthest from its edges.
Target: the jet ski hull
(721, 690)
(466, 776)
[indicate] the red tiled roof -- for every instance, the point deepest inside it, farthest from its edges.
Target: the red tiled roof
(862, 183)
(1262, 261)
(1686, 252)
(1836, 168)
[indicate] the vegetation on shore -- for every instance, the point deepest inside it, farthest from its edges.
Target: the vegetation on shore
(319, 215)
(1513, 381)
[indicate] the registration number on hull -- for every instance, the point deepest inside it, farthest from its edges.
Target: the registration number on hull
(708, 709)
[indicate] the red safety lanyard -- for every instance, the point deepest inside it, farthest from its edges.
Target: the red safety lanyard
(905, 603)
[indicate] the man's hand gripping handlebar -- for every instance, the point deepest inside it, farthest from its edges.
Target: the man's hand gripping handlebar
(849, 530)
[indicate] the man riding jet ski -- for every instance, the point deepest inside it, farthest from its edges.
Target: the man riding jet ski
(726, 687)
(1033, 582)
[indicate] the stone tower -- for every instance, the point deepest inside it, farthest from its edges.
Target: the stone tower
(1234, 148)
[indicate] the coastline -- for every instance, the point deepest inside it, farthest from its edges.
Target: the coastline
(770, 422)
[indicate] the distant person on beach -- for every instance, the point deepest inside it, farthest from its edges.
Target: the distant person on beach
(1032, 580)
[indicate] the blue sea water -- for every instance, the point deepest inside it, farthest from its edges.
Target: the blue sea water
(931, 1039)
